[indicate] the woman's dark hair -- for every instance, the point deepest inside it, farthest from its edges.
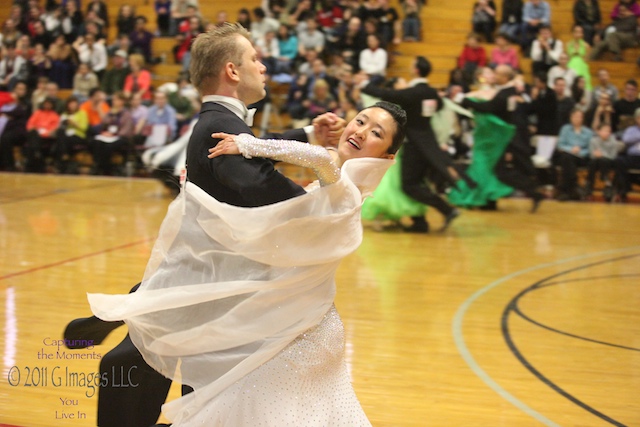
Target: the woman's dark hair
(69, 101)
(576, 92)
(400, 117)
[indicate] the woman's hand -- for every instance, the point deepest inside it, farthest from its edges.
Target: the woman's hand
(226, 145)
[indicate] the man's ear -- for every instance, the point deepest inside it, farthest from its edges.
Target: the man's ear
(231, 72)
(389, 156)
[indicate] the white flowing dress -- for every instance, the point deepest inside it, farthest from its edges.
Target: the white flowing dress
(238, 303)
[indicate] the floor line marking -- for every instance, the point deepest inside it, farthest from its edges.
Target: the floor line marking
(464, 351)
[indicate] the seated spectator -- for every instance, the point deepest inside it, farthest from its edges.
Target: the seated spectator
(511, 21)
(298, 94)
(504, 53)
(161, 114)
(311, 38)
(572, 152)
(562, 70)
(16, 112)
(114, 78)
(39, 93)
(535, 15)
(621, 34)
(580, 95)
(39, 65)
(565, 102)
(288, 46)
(96, 109)
(186, 25)
(578, 51)
(72, 22)
(631, 5)
(40, 35)
(90, 25)
(10, 33)
(411, 23)
(352, 41)
(268, 51)
(373, 59)
(601, 113)
(185, 38)
(179, 14)
(182, 100)
(321, 100)
(99, 8)
(545, 51)
(139, 80)
(52, 90)
(24, 47)
(92, 53)
(472, 57)
(41, 133)
(483, 19)
(298, 13)
(221, 18)
(139, 113)
(625, 108)
(52, 20)
(163, 16)
(83, 82)
(262, 24)
(126, 20)
(306, 67)
(389, 24)
(605, 85)
(13, 68)
(72, 134)
(544, 108)
(603, 149)
(62, 62)
(116, 130)
(244, 18)
(629, 159)
(329, 15)
(586, 14)
(141, 40)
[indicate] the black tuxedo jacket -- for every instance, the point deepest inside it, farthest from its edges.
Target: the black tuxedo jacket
(234, 179)
(418, 128)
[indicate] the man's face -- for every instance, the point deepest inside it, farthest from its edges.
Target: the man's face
(20, 90)
(603, 76)
(251, 74)
(160, 100)
(52, 90)
(630, 92)
(560, 86)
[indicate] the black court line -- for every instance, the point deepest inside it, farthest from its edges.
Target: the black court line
(519, 311)
(512, 307)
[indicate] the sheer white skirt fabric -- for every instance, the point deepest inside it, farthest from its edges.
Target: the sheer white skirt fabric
(228, 290)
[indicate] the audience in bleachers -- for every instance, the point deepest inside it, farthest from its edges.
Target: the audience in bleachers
(321, 51)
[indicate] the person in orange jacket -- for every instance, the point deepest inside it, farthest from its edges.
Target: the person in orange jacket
(41, 134)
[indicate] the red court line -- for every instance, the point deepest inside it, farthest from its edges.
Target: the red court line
(64, 261)
(7, 425)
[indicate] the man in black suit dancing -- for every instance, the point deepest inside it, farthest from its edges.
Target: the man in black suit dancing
(422, 156)
(226, 71)
(515, 167)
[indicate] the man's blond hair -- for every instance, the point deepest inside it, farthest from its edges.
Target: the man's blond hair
(211, 51)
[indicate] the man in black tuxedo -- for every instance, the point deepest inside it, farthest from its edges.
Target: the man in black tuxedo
(515, 167)
(227, 73)
(422, 156)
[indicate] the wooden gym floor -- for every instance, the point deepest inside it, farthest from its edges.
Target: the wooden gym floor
(507, 319)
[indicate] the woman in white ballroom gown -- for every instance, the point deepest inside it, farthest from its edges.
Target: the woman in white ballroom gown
(238, 302)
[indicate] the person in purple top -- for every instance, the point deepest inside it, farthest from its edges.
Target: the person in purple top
(629, 160)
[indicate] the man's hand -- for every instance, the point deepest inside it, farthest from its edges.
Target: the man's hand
(327, 128)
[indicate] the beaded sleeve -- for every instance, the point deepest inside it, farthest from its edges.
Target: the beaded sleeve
(295, 152)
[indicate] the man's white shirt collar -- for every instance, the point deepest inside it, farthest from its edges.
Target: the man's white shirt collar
(417, 81)
(236, 106)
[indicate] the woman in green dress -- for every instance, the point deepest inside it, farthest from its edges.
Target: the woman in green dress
(578, 51)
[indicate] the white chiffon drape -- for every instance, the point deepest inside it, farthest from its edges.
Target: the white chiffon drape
(230, 292)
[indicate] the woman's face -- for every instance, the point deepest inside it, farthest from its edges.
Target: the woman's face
(72, 106)
(577, 118)
(369, 134)
(578, 33)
